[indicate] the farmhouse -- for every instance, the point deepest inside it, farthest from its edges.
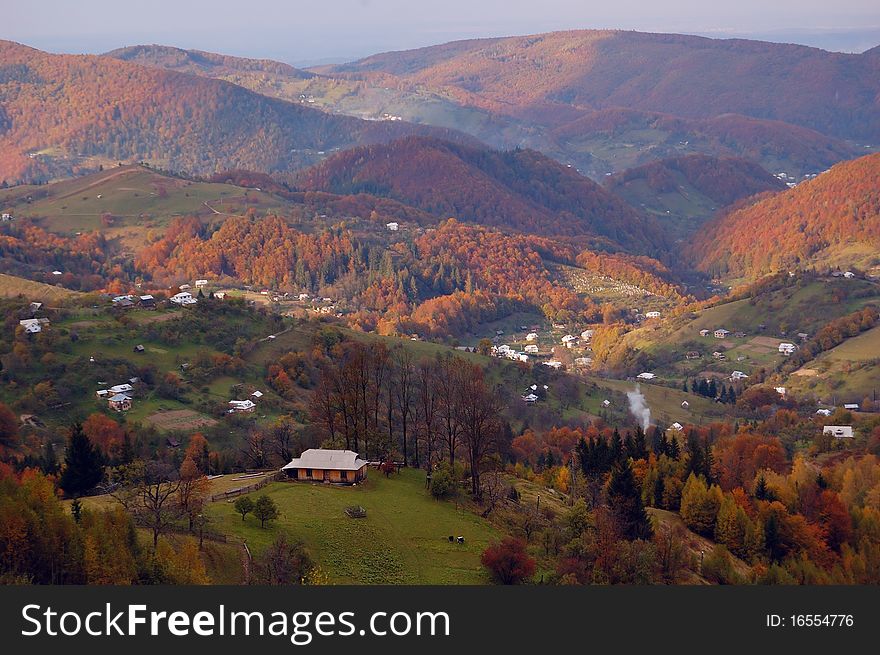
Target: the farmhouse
(586, 335)
(738, 375)
(692, 354)
(787, 348)
(184, 298)
(652, 315)
(704, 333)
(553, 364)
(532, 336)
(685, 404)
(532, 348)
(121, 388)
(7, 216)
(721, 333)
(119, 402)
(780, 390)
(839, 431)
(646, 376)
(318, 464)
(569, 340)
(678, 427)
(530, 398)
(147, 301)
(241, 406)
(201, 283)
(851, 406)
(823, 412)
(31, 325)
(392, 227)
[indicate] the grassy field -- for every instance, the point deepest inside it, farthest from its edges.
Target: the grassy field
(136, 198)
(845, 374)
(11, 286)
(403, 539)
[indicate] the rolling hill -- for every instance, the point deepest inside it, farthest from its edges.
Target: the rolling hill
(564, 73)
(518, 189)
(831, 220)
(601, 101)
(64, 113)
(686, 191)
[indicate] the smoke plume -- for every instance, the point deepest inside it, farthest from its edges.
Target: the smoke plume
(638, 406)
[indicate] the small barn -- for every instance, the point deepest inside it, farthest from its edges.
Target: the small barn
(325, 465)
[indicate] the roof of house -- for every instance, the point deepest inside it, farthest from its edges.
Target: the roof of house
(320, 458)
(839, 430)
(119, 398)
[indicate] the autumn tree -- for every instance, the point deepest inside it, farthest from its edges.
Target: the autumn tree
(508, 562)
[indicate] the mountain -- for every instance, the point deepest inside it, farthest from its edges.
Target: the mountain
(601, 101)
(616, 139)
(833, 219)
(209, 64)
(789, 107)
(686, 191)
(518, 189)
(566, 73)
(63, 113)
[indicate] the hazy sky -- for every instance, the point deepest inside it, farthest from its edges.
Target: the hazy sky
(300, 31)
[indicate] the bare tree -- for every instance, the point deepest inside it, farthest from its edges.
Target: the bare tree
(480, 409)
(149, 492)
(403, 374)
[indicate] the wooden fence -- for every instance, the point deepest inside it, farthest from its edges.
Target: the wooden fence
(271, 476)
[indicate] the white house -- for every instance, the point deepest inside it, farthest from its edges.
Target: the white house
(839, 431)
(849, 275)
(257, 394)
(553, 364)
(532, 349)
(721, 333)
(586, 335)
(532, 336)
(685, 404)
(6, 216)
(201, 283)
(652, 315)
(241, 406)
(678, 427)
(569, 340)
(530, 398)
(220, 295)
(780, 390)
(704, 333)
(184, 287)
(583, 361)
(606, 403)
(122, 388)
(31, 325)
(183, 299)
(738, 375)
(393, 227)
(852, 406)
(823, 412)
(645, 376)
(787, 348)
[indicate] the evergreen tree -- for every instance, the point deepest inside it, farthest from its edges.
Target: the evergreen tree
(625, 501)
(50, 462)
(83, 464)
